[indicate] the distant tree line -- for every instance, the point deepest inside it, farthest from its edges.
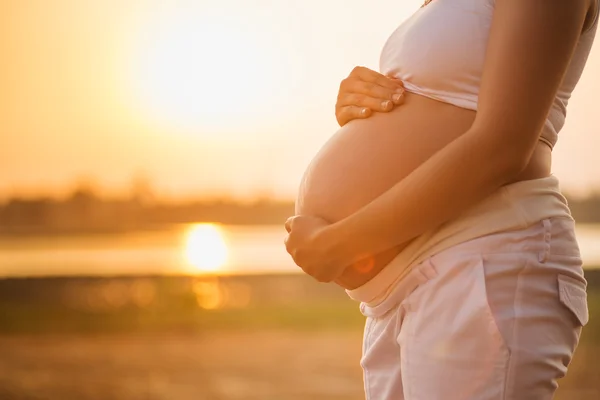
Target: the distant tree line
(83, 210)
(586, 210)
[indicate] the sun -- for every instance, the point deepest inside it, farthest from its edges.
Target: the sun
(205, 248)
(198, 70)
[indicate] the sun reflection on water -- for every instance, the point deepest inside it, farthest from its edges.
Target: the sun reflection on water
(212, 294)
(209, 295)
(205, 248)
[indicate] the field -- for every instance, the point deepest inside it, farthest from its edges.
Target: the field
(153, 338)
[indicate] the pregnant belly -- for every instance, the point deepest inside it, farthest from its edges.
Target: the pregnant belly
(366, 157)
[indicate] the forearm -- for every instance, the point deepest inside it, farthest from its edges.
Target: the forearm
(457, 177)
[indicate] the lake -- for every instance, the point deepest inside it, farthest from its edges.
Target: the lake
(178, 249)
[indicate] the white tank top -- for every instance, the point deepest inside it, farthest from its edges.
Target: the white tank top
(439, 52)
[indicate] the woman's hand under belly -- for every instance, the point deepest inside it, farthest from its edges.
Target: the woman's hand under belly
(367, 157)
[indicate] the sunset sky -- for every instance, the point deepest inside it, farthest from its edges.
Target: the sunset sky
(205, 98)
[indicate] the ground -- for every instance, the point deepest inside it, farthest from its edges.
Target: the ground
(265, 365)
(215, 366)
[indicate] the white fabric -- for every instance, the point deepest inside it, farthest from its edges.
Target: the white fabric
(511, 207)
(498, 317)
(439, 52)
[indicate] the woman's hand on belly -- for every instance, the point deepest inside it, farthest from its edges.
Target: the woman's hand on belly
(316, 253)
(305, 243)
(367, 157)
(365, 91)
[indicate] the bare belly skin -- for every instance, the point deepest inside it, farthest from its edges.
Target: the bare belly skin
(365, 158)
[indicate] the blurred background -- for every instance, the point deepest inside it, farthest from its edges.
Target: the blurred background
(149, 154)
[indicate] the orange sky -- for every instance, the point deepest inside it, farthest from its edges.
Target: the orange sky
(227, 98)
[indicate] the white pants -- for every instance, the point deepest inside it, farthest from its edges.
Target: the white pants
(497, 317)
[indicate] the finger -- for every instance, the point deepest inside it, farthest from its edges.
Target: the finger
(398, 98)
(361, 100)
(368, 75)
(288, 248)
(367, 94)
(396, 80)
(348, 113)
(288, 224)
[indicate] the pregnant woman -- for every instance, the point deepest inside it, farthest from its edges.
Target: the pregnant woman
(441, 215)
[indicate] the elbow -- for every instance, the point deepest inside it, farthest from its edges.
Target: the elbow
(515, 167)
(508, 151)
(510, 163)
(505, 159)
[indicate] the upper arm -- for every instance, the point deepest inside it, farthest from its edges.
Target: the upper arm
(529, 50)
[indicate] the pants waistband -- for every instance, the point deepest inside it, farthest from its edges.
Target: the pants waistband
(512, 207)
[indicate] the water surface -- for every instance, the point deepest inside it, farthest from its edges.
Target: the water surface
(177, 249)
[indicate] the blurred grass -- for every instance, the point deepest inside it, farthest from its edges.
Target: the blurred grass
(47, 320)
(40, 306)
(591, 333)
(96, 338)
